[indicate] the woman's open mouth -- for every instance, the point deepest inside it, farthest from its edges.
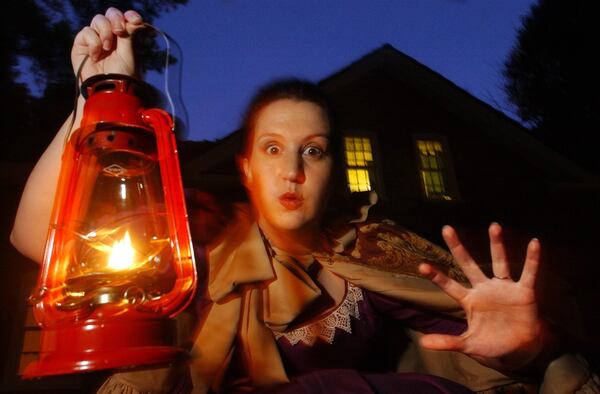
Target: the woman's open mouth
(290, 201)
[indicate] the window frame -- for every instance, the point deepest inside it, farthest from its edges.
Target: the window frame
(448, 173)
(375, 175)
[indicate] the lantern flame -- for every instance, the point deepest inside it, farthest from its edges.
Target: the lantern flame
(121, 255)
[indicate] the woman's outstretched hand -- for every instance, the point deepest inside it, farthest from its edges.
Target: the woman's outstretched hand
(108, 42)
(505, 330)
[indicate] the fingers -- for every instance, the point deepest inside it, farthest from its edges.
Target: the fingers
(133, 21)
(462, 256)
(104, 29)
(87, 42)
(123, 24)
(117, 21)
(448, 285)
(531, 266)
(442, 342)
(99, 37)
(500, 265)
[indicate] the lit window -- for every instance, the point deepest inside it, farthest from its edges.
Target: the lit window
(359, 163)
(432, 169)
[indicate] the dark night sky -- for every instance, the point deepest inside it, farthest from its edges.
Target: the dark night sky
(230, 47)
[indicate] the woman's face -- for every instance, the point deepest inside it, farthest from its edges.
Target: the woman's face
(288, 165)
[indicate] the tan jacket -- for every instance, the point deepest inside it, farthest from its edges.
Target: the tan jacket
(251, 296)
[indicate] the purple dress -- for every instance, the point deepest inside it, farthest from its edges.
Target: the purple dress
(326, 356)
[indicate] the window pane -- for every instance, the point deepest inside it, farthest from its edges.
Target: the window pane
(436, 180)
(366, 143)
(349, 144)
(424, 162)
(352, 177)
(426, 179)
(350, 159)
(360, 159)
(433, 162)
(358, 147)
(361, 176)
(363, 180)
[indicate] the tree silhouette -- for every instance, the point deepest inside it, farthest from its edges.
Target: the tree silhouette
(553, 77)
(37, 35)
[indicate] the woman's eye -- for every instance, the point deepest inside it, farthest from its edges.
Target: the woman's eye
(313, 151)
(273, 149)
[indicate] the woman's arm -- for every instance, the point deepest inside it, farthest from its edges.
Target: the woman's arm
(108, 44)
(33, 214)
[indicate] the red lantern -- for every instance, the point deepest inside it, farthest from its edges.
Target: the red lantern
(119, 261)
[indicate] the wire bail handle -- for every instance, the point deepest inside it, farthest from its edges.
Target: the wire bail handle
(167, 39)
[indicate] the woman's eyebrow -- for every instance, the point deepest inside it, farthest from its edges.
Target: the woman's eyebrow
(268, 135)
(324, 135)
(277, 135)
(313, 136)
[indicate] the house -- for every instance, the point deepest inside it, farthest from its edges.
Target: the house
(435, 155)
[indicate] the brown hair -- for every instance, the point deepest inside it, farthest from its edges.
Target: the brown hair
(291, 88)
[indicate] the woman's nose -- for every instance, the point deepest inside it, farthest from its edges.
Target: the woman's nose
(294, 169)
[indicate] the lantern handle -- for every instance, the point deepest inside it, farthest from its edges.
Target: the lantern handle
(77, 93)
(167, 39)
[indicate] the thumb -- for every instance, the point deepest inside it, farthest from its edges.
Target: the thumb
(442, 342)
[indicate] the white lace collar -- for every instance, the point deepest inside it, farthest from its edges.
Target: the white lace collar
(324, 329)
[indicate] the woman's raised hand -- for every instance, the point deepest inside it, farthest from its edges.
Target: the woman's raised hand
(108, 42)
(504, 330)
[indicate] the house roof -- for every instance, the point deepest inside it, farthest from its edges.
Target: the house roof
(450, 96)
(435, 87)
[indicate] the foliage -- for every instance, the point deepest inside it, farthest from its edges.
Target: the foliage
(552, 76)
(39, 35)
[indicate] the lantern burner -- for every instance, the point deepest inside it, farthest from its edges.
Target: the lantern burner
(138, 288)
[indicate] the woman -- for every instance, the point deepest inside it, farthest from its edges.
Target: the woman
(275, 278)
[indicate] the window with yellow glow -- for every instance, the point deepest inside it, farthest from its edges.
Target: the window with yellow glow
(359, 163)
(433, 170)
